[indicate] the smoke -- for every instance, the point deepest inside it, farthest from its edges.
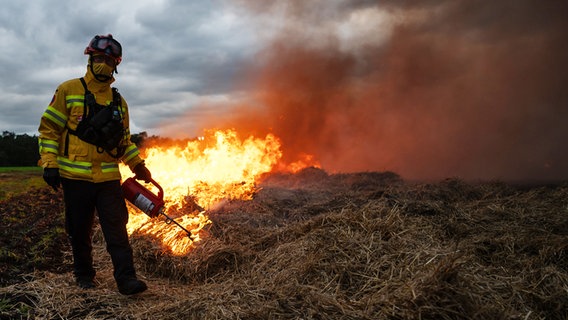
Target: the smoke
(429, 90)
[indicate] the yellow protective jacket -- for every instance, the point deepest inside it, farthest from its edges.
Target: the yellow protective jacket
(75, 158)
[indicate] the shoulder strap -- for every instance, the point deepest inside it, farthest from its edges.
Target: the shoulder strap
(89, 102)
(117, 102)
(116, 98)
(84, 84)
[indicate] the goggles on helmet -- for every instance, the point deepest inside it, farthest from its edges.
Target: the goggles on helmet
(100, 58)
(106, 45)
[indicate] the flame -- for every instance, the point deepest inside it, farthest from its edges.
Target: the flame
(206, 171)
(306, 160)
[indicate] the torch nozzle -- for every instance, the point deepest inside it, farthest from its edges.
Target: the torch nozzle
(170, 220)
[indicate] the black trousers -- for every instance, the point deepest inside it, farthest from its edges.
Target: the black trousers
(81, 200)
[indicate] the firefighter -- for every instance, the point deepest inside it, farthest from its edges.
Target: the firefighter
(80, 155)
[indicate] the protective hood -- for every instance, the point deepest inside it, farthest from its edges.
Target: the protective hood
(94, 84)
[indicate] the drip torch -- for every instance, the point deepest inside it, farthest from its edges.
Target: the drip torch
(148, 202)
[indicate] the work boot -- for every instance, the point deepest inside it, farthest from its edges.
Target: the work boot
(85, 283)
(132, 286)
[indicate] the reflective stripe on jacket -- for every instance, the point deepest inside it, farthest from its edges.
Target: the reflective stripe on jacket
(75, 158)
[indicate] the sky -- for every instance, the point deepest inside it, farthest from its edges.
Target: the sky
(427, 89)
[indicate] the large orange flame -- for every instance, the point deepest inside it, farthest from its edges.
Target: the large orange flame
(201, 174)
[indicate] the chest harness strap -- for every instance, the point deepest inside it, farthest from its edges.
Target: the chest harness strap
(100, 125)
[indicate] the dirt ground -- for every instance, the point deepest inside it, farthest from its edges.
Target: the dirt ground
(12, 183)
(315, 246)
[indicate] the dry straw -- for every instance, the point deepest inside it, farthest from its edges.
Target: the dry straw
(358, 246)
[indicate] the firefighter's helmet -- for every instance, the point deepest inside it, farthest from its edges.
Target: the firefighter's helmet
(106, 45)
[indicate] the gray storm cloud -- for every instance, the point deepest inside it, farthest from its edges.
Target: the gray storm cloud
(470, 89)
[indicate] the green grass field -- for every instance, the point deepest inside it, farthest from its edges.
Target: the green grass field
(16, 180)
(21, 169)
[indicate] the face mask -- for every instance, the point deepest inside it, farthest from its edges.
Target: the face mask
(102, 69)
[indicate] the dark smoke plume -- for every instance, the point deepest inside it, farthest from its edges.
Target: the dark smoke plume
(469, 89)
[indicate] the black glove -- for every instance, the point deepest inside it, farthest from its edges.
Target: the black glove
(142, 173)
(51, 176)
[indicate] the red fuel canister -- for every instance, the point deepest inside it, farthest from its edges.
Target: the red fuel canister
(142, 198)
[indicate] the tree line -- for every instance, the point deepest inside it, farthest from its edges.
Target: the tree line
(18, 150)
(21, 150)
